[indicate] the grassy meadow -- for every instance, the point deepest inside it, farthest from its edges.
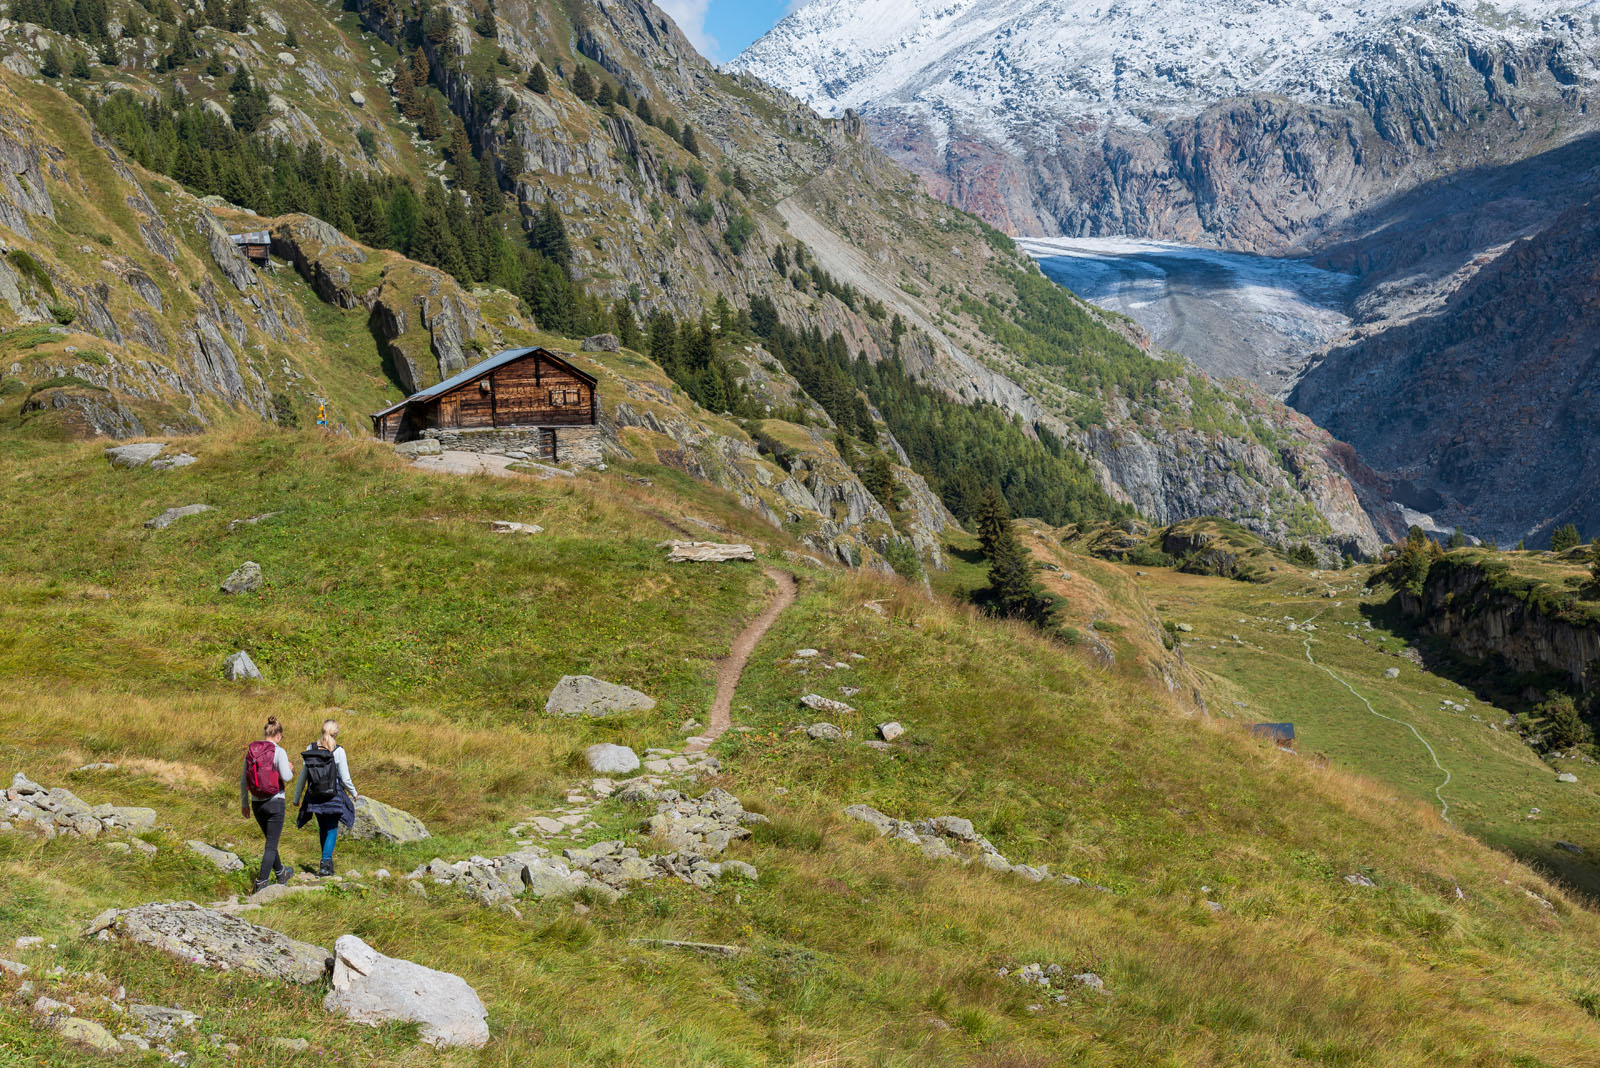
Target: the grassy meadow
(387, 597)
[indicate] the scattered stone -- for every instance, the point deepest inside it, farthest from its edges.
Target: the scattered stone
(99, 766)
(172, 515)
(805, 654)
(825, 732)
(420, 447)
(585, 695)
(223, 860)
(1391, 673)
(165, 463)
(358, 98)
(609, 759)
(239, 667)
(1566, 776)
(212, 939)
(1358, 879)
(246, 578)
(890, 731)
(162, 1024)
(818, 703)
(1570, 847)
(86, 1033)
(601, 343)
(136, 455)
(373, 989)
(29, 941)
(1186, 628)
(1090, 980)
(235, 524)
(376, 820)
(706, 552)
(710, 949)
(741, 869)
(877, 746)
(12, 967)
(293, 1045)
(506, 526)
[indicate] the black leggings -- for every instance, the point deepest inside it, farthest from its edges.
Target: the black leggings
(269, 814)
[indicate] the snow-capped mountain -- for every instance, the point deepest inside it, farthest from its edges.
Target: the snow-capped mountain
(1178, 118)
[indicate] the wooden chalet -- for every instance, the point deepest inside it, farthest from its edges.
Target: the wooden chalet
(515, 390)
(256, 246)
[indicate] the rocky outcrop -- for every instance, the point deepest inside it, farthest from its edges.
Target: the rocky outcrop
(213, 939)
(60, 811)
(1486, 613)
(426, 321)
(322, 255)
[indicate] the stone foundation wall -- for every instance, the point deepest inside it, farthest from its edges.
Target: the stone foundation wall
(577, 446)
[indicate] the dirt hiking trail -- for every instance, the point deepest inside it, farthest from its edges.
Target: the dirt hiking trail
(732, 668)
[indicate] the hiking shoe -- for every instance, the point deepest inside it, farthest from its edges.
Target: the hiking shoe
(326, 869)
(285, 875)
(261, 884)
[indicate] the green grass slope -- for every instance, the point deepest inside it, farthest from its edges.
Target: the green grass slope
(388, 597)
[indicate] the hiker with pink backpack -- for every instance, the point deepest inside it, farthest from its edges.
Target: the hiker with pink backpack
(266, 770)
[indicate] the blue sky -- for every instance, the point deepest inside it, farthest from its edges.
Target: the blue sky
(721, 29)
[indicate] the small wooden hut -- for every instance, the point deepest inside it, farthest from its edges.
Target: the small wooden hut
(532, 390)
(256, 246)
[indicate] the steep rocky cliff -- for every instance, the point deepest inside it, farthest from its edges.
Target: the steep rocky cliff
(1487, 612)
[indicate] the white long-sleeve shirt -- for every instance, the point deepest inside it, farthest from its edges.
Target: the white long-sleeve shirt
(280, 760)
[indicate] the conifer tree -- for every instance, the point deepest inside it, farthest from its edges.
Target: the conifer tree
(627, 324)
(50, 67)
(605, 98)
(690, 143)
(1564, 538)
(538, 80)
(583, 85)
(291, 40)
(80, 64)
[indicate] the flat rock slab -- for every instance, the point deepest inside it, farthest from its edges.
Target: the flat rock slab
(86, 1033)
(710, 949)
(166, 463)
(136, 455)
(706, 552)
(818, 703)
(213, 939)
(609, 759)
(420, 447)
(172, 515)
(224, 860)
(374, 819)
(585, 695)
(506, 526)
(373, 989)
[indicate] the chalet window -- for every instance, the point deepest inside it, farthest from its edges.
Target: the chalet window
(484, 386)
(565, 398)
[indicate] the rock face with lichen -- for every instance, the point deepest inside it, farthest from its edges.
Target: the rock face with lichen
(213, 939)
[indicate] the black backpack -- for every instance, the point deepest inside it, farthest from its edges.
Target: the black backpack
(322, 775)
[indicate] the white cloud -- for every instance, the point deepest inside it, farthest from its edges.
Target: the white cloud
(690, 15)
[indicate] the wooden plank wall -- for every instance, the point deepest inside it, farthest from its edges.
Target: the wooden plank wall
(533, 392)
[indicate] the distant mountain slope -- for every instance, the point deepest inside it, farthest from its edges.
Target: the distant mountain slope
(1480, 410)
(1251, 125)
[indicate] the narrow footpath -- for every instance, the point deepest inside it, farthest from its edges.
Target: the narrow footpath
(731, 670)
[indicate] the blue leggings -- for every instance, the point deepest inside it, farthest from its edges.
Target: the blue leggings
(328, 835)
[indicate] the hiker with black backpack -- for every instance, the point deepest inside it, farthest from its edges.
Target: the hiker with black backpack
(324, 790)
(266, 769)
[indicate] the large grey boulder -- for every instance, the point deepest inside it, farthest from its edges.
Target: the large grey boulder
(818, 703)
(374, 819)
(890, 731)
(601, 343)
(609, 759)
(373, 989)
(135, 455)
(224, 860)
(825, 732)
(86, 1033)
(420, 447)
(172, 515)
(239, 666)
(246, 578)
(214, 939)
(585, 695)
